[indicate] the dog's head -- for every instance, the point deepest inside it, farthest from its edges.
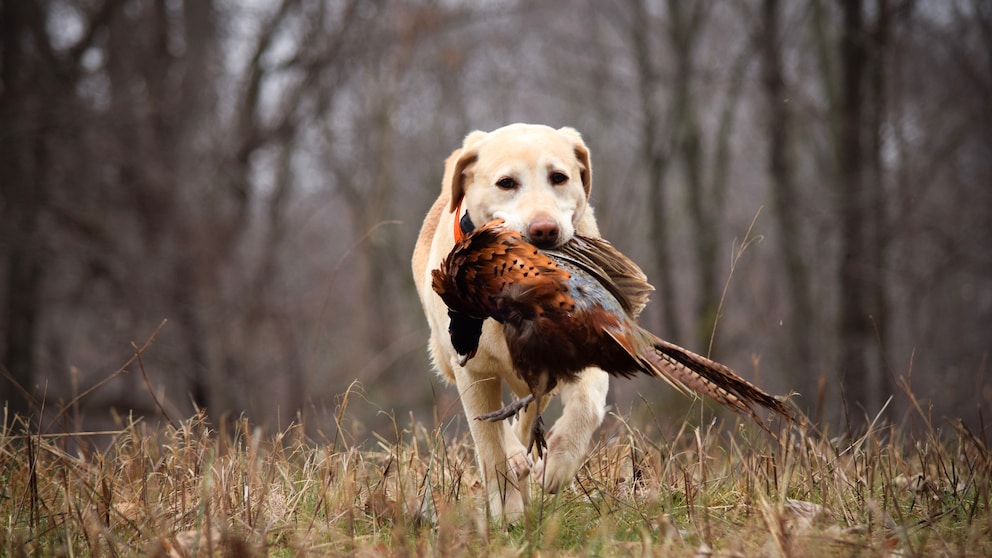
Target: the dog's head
(537, 179)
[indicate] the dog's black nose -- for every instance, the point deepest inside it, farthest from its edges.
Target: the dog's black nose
(544, 232)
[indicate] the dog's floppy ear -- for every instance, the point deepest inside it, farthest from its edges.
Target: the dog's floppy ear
(457, 164)
(582, 154)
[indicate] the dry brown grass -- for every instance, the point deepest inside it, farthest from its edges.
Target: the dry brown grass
(193, 490)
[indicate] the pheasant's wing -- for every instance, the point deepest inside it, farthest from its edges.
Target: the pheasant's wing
(457, 279)
(494, 272)
(615, 271)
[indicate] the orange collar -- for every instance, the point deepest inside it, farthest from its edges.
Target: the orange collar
(459, 235)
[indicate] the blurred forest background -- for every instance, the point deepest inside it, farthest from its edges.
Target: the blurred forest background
(256, 173)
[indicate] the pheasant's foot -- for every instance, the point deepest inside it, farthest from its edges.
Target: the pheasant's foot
(537, 441)
(509, 411)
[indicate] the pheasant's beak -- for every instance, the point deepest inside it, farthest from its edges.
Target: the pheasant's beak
(462, 359)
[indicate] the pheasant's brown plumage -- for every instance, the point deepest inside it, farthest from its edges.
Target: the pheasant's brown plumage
(568, 309)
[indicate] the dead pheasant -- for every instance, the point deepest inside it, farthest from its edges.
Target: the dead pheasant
(568, 309)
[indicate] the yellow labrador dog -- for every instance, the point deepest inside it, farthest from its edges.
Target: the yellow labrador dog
(537, 179)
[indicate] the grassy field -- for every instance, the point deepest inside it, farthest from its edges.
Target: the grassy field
(192, 490)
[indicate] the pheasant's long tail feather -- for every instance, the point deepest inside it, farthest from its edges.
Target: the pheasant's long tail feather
(709, 378)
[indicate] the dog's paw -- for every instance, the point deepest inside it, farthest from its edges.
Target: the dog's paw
(521, 464)
(561, 461)
(517, 455)
(507, 505)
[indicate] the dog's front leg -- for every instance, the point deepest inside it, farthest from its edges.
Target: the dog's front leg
(481, 394)
(583, 409)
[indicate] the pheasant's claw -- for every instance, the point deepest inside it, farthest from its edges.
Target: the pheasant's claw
(537, 441)
(510, 410)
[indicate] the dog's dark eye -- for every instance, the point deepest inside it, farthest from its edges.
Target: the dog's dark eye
(558, 178)
(506, 183)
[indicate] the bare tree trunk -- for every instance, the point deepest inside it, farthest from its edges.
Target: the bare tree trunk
(22, 197)
(684, 26)
(855, 330)
(208, 386)
(656, 158)
(876, 193)
(784, 197)
(24, 274)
